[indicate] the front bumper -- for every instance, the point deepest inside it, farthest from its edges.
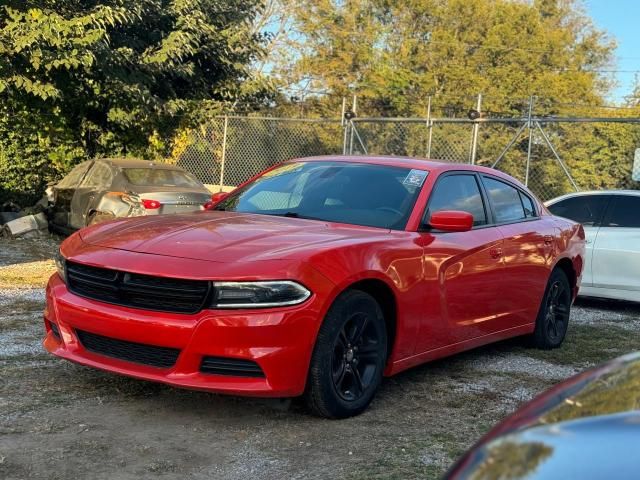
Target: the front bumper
(280, 341)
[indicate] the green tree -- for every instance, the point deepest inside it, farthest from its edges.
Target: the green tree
(395, 54)
(113, 74)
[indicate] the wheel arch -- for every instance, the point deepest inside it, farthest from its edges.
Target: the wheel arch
(567, 266)
(386, 298)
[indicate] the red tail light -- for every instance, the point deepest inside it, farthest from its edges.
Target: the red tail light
(151, 204)
(209, 205)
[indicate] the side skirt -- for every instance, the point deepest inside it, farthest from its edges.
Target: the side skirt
(429, 355)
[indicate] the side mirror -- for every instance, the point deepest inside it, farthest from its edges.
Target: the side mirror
(451, 221)
(215, 199)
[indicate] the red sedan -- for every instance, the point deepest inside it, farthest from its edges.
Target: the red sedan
(317, 278)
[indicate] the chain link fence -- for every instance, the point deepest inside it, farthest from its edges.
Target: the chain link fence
(224, 152)
(551, 156)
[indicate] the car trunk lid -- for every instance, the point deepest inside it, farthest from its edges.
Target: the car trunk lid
(174, 199)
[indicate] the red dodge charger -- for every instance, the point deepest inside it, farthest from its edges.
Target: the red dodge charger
(316, 278)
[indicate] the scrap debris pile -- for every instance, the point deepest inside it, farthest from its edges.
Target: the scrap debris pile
(29, 222)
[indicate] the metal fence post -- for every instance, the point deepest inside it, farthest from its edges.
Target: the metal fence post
(344, 125)
(429, 126)
(474, 133)
(530, 127)
(224, 150)
(354, 110)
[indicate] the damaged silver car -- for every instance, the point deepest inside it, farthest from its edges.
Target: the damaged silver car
(99, 190)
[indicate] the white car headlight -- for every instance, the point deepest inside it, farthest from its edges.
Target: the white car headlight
(61, 266)
(258, 294)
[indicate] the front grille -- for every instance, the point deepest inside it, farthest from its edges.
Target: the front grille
(136, 290)
(231, 366)
(162, 357)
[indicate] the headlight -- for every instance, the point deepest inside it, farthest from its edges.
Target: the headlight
(61, 266)
(258, 294)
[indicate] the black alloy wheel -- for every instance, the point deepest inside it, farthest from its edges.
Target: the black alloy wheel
(553, 317)
(356, 356)
(348, 358)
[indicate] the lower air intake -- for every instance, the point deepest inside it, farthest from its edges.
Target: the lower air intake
(231, 366)
(162, 357)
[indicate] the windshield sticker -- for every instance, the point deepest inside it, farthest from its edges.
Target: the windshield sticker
(415, 178)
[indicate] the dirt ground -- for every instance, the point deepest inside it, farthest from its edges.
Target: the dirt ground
(59, 420)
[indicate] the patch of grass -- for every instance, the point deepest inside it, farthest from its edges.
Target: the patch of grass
(27, 263)
(28, 274)
(588, 344)
(406, 461)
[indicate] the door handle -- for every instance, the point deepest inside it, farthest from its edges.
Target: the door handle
(548, 239)
(495, 252)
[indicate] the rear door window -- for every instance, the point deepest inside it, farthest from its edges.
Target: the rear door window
(100, 177)
(505, 199)
(458, 192)
(624, 212)
(584, 209)
(73, 179)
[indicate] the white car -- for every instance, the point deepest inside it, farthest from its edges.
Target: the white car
(611, 220)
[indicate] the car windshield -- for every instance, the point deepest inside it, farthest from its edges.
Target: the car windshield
(160, 177)
(355, 193)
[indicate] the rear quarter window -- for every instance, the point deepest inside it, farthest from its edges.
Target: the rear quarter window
(529, 205)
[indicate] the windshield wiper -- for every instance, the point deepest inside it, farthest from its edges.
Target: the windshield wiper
(293, 215)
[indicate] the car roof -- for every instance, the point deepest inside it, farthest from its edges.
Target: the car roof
(417, 163)
(592, 192)
(137, 163)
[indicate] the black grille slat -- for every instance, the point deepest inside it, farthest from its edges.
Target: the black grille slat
(231, 366)
(136, 290)
(169, 284)
(125, 287)
(94, 272)
(93, 283)
(162, 357)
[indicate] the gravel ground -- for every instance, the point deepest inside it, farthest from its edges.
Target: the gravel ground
(60, 420)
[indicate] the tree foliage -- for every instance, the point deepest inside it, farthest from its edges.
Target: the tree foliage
(395, 54)
(112, 74)
(80, 78)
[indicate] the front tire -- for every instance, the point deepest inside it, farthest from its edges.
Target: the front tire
(553, 317)
(348, 358)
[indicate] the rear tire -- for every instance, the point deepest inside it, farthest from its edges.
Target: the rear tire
(348, 358)
(553, 317)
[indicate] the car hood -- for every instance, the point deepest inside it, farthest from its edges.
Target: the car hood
(226, 236)
(584, 427)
